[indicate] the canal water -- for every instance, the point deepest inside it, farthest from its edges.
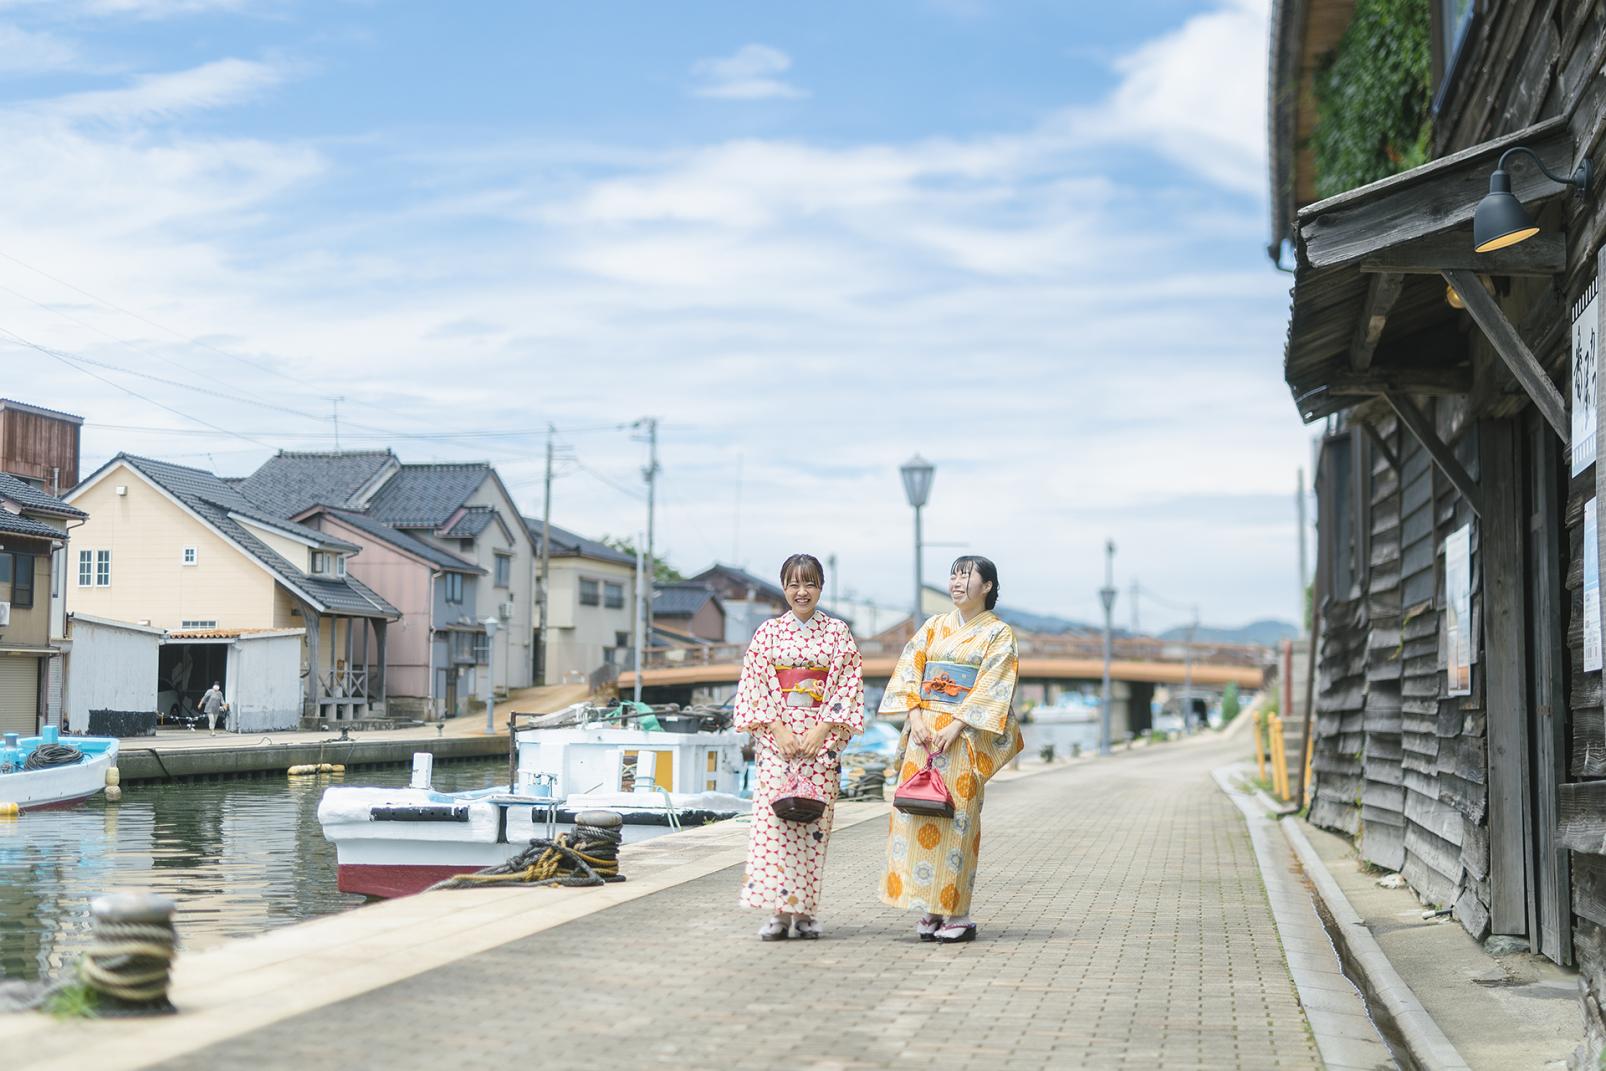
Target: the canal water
(238, 857)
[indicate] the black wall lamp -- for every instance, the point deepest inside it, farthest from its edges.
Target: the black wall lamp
(1501, 220)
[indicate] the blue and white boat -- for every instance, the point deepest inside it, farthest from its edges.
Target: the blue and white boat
(44, 771)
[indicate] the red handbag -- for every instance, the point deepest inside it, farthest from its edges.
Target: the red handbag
(925, 793)
(800, 799)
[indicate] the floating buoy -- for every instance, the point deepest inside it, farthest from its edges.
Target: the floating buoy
(9, 810)
(326, 767)
(114, 793)
(337, 768)
(113, 777)
(303, 770)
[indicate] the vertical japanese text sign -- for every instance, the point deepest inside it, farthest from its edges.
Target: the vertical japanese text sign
(1585, 368)
(1458, 611)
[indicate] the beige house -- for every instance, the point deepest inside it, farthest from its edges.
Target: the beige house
(179, 549)
(32, 527)
(592, 605)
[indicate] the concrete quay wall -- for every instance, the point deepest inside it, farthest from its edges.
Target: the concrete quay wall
(173, 763)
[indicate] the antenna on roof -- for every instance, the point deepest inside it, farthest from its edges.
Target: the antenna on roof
(337, 400)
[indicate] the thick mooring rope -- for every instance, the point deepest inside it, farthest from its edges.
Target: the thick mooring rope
(588, 856)
(45, 756)
(130, 961)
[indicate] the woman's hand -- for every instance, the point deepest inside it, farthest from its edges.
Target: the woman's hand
(943, 739)
(786, 741)
(815, 739)
(917, 728)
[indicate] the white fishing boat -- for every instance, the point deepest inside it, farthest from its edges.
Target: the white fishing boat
(660, 770)
(51, 770)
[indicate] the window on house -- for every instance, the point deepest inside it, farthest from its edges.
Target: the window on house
(189, 556)
(198, 623)
(454, 587)
(5, 568)
(482, 648)
(621, 639)
(340, 565)
(462, 646)
(86, 568)
(589, 593)
(103, 568)
(22, 580)
(504, 570)
(319, 566)
(1451, 20)
(615, 595)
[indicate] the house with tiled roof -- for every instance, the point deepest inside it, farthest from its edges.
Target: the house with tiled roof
(33, 527)
(591, 604)
(177, 548)
(748, 600)
(461, 509)
(691, 607)
(437, 656)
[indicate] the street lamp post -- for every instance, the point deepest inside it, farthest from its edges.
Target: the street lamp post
(1107, 597)
(491, 624)
(917, 473)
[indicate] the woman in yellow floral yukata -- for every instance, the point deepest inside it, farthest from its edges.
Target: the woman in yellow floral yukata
(955, 681)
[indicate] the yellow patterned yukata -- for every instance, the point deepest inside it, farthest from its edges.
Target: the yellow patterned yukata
(950, 669)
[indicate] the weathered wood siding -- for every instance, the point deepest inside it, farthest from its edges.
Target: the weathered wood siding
(1383, 796)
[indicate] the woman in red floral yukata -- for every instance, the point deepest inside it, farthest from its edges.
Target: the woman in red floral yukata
(802, 697)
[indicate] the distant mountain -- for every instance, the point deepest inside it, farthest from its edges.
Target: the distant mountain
(1042, 623)
(1266, 632)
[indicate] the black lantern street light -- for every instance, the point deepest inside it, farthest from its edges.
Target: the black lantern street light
(917, 473)
(1501, 221)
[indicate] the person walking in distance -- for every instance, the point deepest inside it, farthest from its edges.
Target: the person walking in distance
(801, 696)
(211, 704)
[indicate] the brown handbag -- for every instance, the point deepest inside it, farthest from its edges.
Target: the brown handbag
(800, 799)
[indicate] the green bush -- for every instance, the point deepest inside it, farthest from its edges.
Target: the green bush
(1374, 97)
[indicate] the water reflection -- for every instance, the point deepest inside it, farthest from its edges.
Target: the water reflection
(239, 857)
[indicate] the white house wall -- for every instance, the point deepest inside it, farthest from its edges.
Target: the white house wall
(110, 667)
(264, 688)
(581, 636)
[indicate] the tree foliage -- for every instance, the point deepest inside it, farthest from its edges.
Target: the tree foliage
(662, 571)
(1374, 97)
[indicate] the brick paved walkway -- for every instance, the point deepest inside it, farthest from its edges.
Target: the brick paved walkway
(1124, 925)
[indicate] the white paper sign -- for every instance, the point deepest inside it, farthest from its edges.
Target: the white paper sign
(1586, 376)
(1458, 610)
(1592, 649)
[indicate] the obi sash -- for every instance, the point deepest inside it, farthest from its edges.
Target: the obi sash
(947, 684)
(802, 686)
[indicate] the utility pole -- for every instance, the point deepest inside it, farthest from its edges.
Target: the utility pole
(1187, 673)
(1107, 597)
(641, 612)
(650, 474)
(337, 400)
(546, 560)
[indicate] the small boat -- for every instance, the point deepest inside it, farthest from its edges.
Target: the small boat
(660, 768)
(51, 770)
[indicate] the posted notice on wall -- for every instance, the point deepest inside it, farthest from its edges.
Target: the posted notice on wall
(1592, 651)
(1458, 611)
(1586, 376)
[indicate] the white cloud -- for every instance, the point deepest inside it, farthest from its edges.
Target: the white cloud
(752, 72)
(1196, 95)
(24, 52)
(164, 96)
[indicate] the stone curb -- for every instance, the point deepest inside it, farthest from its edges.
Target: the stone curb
(1385, 990)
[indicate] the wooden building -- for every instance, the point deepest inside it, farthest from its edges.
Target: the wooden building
(40, 445)
(1459, 735)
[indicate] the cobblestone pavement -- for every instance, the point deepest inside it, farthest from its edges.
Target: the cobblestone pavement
(1124, 924)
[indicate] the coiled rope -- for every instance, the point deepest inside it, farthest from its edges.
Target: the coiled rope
(589, 856)
(130, 961)
(45, 756)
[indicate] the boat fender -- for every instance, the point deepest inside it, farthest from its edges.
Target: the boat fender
(114, 793)
(9, 810)
(337, 768)
(113, 778)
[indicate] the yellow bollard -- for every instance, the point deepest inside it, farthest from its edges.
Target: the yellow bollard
(1310, 753)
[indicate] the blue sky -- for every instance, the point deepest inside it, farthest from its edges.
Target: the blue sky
(1024, 240)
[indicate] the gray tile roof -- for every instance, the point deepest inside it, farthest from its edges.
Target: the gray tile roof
(680, 600)
(11, 524)
(290, 482)
(405, 541)
(12, 403)
(33, 500)
(425, 496)
(743, 578)
(567, 544)
(475, 519)
(214, 501)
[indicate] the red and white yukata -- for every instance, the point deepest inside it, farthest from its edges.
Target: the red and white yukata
(801, 673)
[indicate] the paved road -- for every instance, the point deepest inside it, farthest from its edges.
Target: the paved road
(1124, 925)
